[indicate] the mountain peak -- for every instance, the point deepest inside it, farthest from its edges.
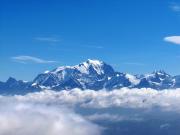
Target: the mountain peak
(84, 74)
(11, 79)
(84, 67)
(94, 62)
(159, 72)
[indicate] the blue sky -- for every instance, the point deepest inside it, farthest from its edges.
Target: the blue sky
(133, 36)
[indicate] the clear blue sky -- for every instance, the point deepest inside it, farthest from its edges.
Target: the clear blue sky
(38, 35)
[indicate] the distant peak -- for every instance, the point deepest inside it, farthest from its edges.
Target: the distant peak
(94, 62)
(159, 72)
(84, 67)
(11, 79)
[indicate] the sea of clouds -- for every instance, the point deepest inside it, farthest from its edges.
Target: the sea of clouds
(77, 112)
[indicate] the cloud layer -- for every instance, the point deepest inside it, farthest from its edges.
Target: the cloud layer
(125, 98)
(18, 118)
(27, 59)
(75, 112)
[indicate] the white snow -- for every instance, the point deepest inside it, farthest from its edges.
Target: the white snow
(95, 62)
(34, 84)
(132, 79)
(83, 67)
(25, 81)
(46, 72)
(97, 65)
(61, 68)
(159, 73)
(156, 83)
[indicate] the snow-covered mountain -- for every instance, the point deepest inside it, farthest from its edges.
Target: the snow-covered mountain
(92, 74)
(157, 80)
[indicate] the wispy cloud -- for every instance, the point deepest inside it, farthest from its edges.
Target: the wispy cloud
(173, 39)
(175, 7)
(26, 59)
(47, 39)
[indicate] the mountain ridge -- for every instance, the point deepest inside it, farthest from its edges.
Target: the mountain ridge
(91, 74)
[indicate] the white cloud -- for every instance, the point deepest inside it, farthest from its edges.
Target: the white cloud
(53, 113)
(20, 118)
(173, 39)
(74, 112)
(124, 98)
(26, 59)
